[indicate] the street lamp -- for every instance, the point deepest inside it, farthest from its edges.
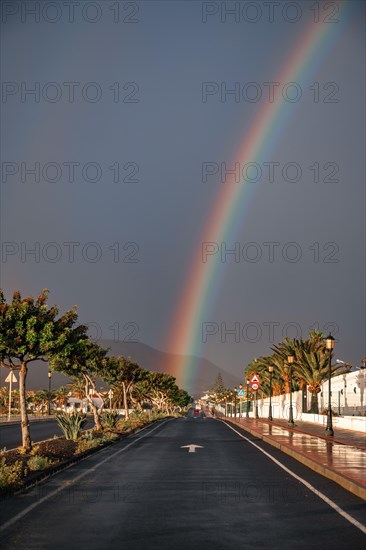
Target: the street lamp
(270, 369)
(290, 360)
(240, 401)
(49, 374)
(235, 400)
(248, 405)
(329, 344)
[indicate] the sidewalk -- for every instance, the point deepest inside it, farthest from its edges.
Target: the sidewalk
(341, 458)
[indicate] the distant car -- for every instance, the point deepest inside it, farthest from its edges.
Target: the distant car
(196, 411)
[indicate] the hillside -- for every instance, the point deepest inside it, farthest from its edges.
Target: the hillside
(148, 357)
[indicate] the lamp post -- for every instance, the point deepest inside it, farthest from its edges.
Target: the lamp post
(248, 402)
(240, 401)
(235, 401)
(49, 374)
(329, 344)
(290, 360)
(256, 415)
(270, 417)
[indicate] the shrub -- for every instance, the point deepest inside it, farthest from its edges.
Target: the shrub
(109, 420)
(35, 450)
(123, 425)
(137, 413)
(71, 424)
(86, 443)
(90, 441)
(37, 463)
(10, 475)
(22, 450)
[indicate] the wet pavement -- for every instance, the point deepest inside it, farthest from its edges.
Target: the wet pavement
(341, 458)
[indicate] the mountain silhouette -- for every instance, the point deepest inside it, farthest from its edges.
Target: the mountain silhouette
(205, 372)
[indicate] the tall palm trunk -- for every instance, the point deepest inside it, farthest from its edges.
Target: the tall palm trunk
(314, 406)
(26, 440)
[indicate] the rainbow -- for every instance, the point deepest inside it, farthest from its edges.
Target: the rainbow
(203, 279)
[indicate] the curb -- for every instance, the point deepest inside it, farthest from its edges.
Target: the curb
(345, 482)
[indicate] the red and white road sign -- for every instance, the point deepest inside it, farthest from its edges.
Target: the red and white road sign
(255, 382)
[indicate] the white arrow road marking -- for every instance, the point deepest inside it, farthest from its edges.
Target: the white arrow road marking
(192, 448)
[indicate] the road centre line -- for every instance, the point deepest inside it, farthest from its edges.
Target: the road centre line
(26, 511)
(327, 500)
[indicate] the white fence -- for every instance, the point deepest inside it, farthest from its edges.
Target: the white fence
(347, 397)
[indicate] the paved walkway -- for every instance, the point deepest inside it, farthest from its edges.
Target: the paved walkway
(341, 458)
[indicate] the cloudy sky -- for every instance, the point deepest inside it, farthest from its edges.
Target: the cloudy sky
(118, 119)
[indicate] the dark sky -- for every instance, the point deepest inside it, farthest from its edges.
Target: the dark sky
(122, 100)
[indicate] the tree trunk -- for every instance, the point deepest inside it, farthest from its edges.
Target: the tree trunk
(125, 404)
(93, 407)
(314, 407)
(26, 440)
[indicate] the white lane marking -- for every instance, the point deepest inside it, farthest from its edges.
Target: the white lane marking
(26, 511)
(330, 502)
(192, 447)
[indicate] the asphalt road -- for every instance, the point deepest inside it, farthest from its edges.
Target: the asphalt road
(11, 434)
(149, 492)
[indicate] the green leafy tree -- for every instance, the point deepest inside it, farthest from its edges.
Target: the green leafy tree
(183, 399)
(218, 386)
(162, 390)
(31, 331)
(123, 374)
(86, 360)
(216, 393)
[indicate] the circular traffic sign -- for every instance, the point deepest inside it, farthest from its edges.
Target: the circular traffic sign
(255, 386)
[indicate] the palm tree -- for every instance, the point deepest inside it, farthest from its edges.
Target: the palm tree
(61, 396)
(309, 369)
(280, 378)
(77, 388)
(312, 367)
(40, 399)
(117, 399)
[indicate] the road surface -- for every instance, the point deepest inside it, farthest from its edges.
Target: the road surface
(11, 434)
(187, 483)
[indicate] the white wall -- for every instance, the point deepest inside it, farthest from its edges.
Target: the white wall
(348, 397)
(348, 393)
